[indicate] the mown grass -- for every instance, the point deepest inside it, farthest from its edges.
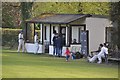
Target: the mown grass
(24, 65)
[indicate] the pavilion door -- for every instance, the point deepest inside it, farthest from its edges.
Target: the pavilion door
(63, 33)
(84, 42)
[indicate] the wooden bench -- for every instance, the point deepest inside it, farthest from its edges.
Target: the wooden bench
(114, 59)
(114, 56)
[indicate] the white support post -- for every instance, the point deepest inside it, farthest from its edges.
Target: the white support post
(43, 34)
(43, 38)
(41, 31)
(66, 35)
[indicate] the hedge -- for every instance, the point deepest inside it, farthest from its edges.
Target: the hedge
(10, 37)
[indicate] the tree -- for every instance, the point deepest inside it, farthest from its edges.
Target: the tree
(99, 8)
(56, 7)
(10, 14)
(26, 8)
(115, 17)
(14, 13)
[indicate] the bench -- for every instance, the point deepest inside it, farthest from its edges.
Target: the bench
(114, 56)
(114, 59)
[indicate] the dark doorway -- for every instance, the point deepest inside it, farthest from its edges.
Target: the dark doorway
(63, 34)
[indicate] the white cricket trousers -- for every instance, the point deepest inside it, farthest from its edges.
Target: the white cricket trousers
(36, 48)
(21, 44)
(99, 56)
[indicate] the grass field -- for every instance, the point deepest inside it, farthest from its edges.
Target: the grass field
(24, 65)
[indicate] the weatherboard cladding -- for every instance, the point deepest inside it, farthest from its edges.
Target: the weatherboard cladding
(58, 18)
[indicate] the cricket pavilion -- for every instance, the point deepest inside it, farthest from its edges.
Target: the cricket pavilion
(88, 30)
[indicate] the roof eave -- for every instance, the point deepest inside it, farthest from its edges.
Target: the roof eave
(84, 16)
(47, 22)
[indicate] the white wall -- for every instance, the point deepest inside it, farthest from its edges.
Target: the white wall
(96, 27)
(51, 50)
(30, 48)
(48, 32)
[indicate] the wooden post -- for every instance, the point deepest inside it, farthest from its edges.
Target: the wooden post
(42, 34)
(34, 29)
(26, 32)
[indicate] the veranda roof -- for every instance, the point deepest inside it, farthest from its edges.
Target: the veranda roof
(57, 18)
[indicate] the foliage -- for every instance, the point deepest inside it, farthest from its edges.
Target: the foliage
(115, 17)
(26, 8)
(25, 11)
(10, 36)
(10, 14)
(101, 8)
(16, 12)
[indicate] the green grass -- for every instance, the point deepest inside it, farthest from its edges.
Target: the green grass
(24, 65)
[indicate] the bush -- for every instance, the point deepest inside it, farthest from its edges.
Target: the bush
(9, 36)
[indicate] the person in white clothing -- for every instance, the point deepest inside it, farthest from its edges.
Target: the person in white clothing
(54, 33)
(36, 43)
(21, 42)
(100, 55)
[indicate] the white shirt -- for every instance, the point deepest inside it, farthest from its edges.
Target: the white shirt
(35, 39)
(103, 51)
(20, 37)
(106, 50)
(52, 38)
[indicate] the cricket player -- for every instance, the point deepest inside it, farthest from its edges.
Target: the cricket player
(100, 55)
(36, 48)
(21, 41)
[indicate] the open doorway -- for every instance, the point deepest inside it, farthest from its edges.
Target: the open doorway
(63, 34)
